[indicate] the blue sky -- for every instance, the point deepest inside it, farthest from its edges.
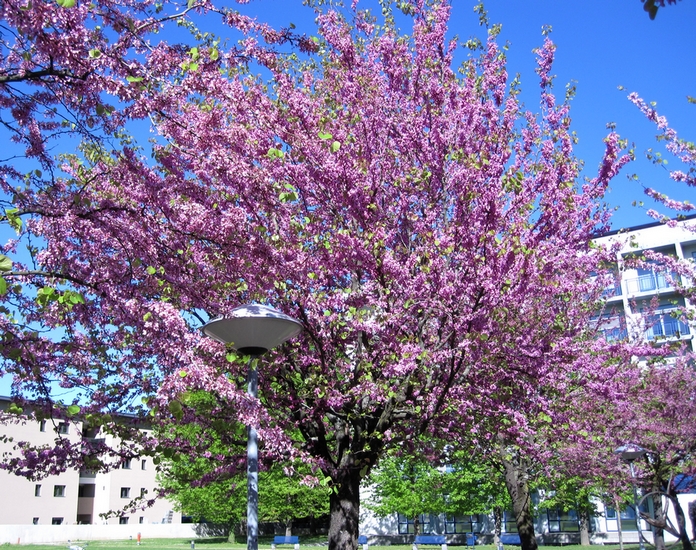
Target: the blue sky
(600, 46)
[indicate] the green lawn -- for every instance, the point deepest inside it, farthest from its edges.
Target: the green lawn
(264, 544)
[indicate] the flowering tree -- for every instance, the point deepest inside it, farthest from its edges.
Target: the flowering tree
(428, 232)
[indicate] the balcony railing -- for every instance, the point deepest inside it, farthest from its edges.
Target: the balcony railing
(649, 282)
(667, 327)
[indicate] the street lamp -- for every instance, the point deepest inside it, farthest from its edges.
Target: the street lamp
(629, 453)
(253, 330)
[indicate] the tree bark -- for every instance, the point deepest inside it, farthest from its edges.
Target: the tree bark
(584, 520)
(518, 487)
(658, 532)
(681, 519)
(345, 510)
(497, 525)
(288, 528)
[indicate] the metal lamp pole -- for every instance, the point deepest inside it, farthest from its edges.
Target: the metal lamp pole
(253, 330)
(630, 453)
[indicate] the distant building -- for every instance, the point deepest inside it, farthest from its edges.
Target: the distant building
(76, 497)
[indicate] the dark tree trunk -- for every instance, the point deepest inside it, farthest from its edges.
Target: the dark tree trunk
(345, 510)
(681, 519)
(658, 532)
(518, 487)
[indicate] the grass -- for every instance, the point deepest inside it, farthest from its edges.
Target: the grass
(264, 544)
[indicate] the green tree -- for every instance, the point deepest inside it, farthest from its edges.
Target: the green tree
(207, 488)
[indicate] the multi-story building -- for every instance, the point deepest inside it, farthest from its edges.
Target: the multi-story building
(643, 301)
(77, 497)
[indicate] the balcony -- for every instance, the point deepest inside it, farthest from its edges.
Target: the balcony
(649, 282)
(667, 327)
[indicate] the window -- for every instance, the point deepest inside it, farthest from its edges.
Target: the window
(42, 426)
(56, 521)
(408, 527)
(143, 491)
(37, 490)
(141, 519)
(59, 490)
(143, 464)
(63, 428)
(560, 521)
(463, 524)
(123, 520)
(86, 490)
(125, 492)
(509, 523)
(126, 464)
(35, 521)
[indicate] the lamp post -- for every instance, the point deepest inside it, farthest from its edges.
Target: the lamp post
(253, 330)
(629, 453)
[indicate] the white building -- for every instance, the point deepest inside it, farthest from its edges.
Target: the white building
(76, 497)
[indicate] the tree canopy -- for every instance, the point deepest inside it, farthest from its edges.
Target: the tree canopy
(429, 232)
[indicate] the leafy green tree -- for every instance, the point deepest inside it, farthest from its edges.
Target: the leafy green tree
(409, 486)
(205, 489)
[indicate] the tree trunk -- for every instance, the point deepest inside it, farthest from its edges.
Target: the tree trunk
(345, 510)
(288, 528)
(584, 520)
(681, 519)
(692, 515)
(518, 487)
(497, 525)
(617, 507)
(658, 532)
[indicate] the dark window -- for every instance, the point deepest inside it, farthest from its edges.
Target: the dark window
(126, 464)
(123, 520)
(59, 490)
(560, 521)
(463, 524)
(143, 464)
(125, 492)
(407, 526)
(56, 521)
(42, 426)
(143, 491)
(35, 521)
(141, 519)
(86, 490)
(63, 428)
(37, 490)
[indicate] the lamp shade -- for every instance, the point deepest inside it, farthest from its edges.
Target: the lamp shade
(253, 329)
(630, 452)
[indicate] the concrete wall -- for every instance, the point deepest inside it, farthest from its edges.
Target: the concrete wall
(26, 534)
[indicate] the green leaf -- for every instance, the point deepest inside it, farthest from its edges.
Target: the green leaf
(94, 53)
(335, 146)
(3, 286)
(5, 263)
(73, 410)
(134, 78)
(325, 135)
(12, 214)
(194, 53)
(151, 270)
(214, 54)
(66, 3)
(183, 373)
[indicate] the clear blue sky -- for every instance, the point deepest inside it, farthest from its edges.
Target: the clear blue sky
(600, 46)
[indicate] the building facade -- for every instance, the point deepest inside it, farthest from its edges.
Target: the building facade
(76, 497)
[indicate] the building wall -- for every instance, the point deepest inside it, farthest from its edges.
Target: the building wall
(23, 504)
